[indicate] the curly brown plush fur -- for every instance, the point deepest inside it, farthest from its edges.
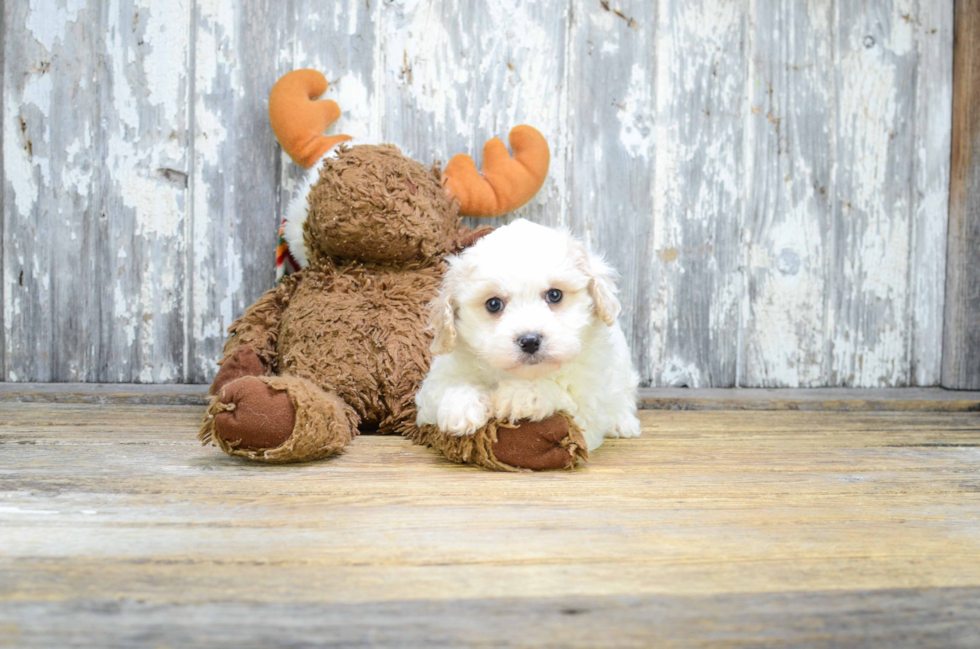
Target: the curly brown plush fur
(553, 443)
(374, 205)
(322, 424)
(344, 341)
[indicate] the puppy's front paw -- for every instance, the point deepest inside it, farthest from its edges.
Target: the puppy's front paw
(627, 425)
(463, 411)
(515, 400)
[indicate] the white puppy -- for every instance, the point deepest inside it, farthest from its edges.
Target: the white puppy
(526, 325)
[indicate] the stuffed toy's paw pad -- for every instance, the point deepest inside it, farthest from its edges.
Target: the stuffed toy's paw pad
(534, 444)
(243, 362)
(257, 416)
(278, 419)
(555, 442)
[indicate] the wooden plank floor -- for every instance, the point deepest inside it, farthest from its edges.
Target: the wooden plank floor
(722, 528)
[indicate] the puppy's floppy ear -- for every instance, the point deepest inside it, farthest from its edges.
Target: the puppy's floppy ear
(442, 315)
(602, 284)
(467, 237)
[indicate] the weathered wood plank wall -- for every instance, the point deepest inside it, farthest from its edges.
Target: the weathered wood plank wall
(961, 365)
(770, 177)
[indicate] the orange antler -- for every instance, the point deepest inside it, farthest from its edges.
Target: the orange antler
(506, 183)
(298, 121)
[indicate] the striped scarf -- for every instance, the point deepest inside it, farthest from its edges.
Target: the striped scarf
(286, 264)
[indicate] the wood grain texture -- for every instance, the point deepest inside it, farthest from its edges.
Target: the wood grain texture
(611, 156)
(458, 73)
(872, 189)
(341, 40)
(961, 337)
(698, 193)
(243, 181)
(845, 267)
(724, 526)
(826, 399)
(931, 163)
(95, 169)
(770, 178)
(3, 188)
(157, 394)
(236, 203)
(898, 618)
(789, 211)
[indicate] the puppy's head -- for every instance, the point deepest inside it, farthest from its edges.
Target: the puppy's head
(522, 299)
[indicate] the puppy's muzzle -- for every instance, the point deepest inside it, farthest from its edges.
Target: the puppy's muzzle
(529, 343)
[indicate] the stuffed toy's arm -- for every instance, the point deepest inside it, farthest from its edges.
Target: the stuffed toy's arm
(251, 350)
(258, 328)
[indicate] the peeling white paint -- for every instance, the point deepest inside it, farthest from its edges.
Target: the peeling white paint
(47, 20)
(234, 280)
(78, 175)
(420, 64)
(714, 197)
(636, 127)
(351, 93)
(678, 373)
(868, 103)
(18, 163)
(165, 42)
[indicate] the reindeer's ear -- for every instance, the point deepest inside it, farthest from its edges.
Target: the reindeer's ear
(442, 315)
(602, 284)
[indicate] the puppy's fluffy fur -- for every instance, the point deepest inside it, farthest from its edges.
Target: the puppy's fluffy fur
(581, 364)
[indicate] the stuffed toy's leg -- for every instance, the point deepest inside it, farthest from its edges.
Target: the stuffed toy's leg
(552, 443)
(274, 418)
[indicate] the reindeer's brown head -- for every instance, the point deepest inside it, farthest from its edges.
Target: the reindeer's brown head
(372, 204)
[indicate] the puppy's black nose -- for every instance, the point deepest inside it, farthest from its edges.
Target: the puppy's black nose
(529, 343)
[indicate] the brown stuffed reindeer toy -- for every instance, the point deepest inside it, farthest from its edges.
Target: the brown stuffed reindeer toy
(343, 342)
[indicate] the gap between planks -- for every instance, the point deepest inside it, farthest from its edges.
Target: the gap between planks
(827, 399)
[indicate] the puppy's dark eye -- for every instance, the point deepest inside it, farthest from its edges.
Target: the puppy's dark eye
(553, 296)
(495, 305)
